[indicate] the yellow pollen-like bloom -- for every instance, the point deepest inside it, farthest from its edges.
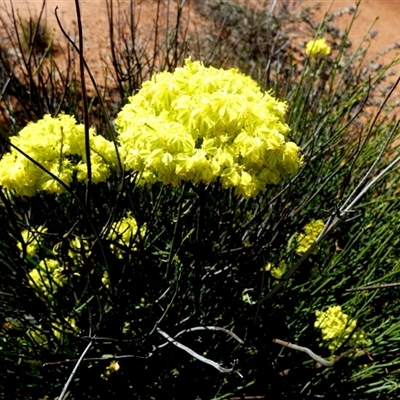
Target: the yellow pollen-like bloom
(112, 368)
(32, 240)
(47, 277)
(311, 232)
(125, 233)
(106, 279)
(278, 271)
(336, 327)
(58, 329)
(58, 144)
(79, 249)
(202, 124)
(318, 47)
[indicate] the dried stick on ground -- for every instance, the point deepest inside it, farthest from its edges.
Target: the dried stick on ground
(321, 361)
(194, 354)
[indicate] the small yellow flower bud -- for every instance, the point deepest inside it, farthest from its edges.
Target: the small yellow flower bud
(318, 47)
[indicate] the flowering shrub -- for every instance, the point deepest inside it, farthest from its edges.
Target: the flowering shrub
(200, 124)
(58, 144)
(99, 282)
(336, 327)
(318, 47)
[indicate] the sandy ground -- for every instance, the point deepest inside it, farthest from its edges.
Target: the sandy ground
(383, 15)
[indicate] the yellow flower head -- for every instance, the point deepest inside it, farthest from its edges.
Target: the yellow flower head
(59, 330)
(47, 277)
(318, 47)
(79, 249)
(32, 240)
(112, 368)
(311, 232)
(106, 278)
(124, 232)
(67, 326)
(202, 124)
(336, 327)
(278, 271)
(58, 144)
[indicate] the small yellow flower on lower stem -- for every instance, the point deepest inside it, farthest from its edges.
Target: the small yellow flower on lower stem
(276, 272)
(32, 239)
(79, 248)
(106, 279)
(318, 47)
(60, 328)
(47, 277)
(112, 368)
(125, 233)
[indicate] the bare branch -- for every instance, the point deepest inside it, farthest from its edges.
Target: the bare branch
(62, 395)
(317, 358)
(194, 354)
(107, 339)
(97, 359)
(206, 328)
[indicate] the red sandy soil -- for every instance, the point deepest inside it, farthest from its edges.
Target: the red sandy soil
(384, 15)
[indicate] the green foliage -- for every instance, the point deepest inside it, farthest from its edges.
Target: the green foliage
(131, 276)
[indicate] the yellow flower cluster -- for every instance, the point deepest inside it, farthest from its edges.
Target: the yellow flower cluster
(318, 47)
(68, 326)
(32, 240)
(106, 279)
(79, 249)
(336, 327)
(200, 124)
(47, 277)
(58, 329)
(278, 271)
(311, 232)
(112, 368)
(58, 144)
(124, 233)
